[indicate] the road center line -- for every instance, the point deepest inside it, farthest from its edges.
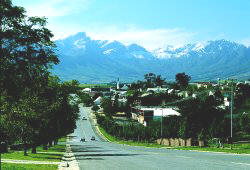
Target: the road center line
(240, 163)
(183, 157)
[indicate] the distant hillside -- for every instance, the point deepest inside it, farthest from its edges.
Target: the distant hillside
(95, 61)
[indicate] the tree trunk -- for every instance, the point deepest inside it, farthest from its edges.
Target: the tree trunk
(56, 141)
(34, 149)
(25, 150)
(45, 146)
(50, 143)
(4, 147)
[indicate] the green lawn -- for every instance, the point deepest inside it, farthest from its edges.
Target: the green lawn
(48, 156)
(56, 148)
(63, 139)
(9, 166)
(236, 148)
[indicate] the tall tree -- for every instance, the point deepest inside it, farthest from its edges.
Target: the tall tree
(182, 80)
(159, 81)
(108, 109)
(26, 53)
(150, 79)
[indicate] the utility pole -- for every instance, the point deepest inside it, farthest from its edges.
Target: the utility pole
(161, 121)
(1, 150)
(232, 114)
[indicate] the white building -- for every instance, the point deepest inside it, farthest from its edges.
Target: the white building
(143, 114)
(247, 82)
(158, 89)
(98, 100)
(165, 112)
(87, 90)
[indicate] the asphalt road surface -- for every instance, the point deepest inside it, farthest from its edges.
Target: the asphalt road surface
(100, 154)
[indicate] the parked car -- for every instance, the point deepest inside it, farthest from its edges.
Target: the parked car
(92, 138)
(82, 140)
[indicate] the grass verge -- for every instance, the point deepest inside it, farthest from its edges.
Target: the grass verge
(53, 154)
(9, 166)
(63, 139)
(237, 148)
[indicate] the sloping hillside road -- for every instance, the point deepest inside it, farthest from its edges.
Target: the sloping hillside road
(100, 154)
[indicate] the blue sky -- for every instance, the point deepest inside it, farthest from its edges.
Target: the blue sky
(150, 23)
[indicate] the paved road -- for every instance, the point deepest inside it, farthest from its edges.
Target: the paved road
(100, 154)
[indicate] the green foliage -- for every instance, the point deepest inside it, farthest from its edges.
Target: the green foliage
(108, 109)
(182, 80)
(85, 99)
(32, 103)
(159, 81)
(218, 97)
(245, 123)
(201, 115)
(156, 99)
(151, 81)
(129, 131)
(11, 166)
(95, 108)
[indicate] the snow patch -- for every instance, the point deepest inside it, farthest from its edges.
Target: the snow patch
(81, 43)
(105, 43)
(108, 51)
(161, 53)
(200, 46)
(138, 56)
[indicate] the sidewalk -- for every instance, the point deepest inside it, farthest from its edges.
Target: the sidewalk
(68, 161)
(28, 162)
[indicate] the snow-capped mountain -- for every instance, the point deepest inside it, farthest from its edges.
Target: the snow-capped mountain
(171, 51)
(95, 61)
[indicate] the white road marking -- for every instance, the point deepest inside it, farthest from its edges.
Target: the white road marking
(240, 163)
(183, 157)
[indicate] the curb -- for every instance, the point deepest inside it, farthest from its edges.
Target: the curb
(69, 160)
(97, 127)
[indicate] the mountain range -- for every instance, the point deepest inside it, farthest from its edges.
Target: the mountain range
(98, 61)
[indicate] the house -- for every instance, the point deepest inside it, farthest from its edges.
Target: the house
(211, 93)
(145, 114)
(170, 91)
(122, 102)
(98, 100)
(125, 87)
(157, 89)
(182, 94)
(226, 102)
(247, 82)
(203, 84)
(194, 95)
(122, 98)
(86, 90)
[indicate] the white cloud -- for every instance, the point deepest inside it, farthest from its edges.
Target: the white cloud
(245, 42)
(150, 39)
(54, 8)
